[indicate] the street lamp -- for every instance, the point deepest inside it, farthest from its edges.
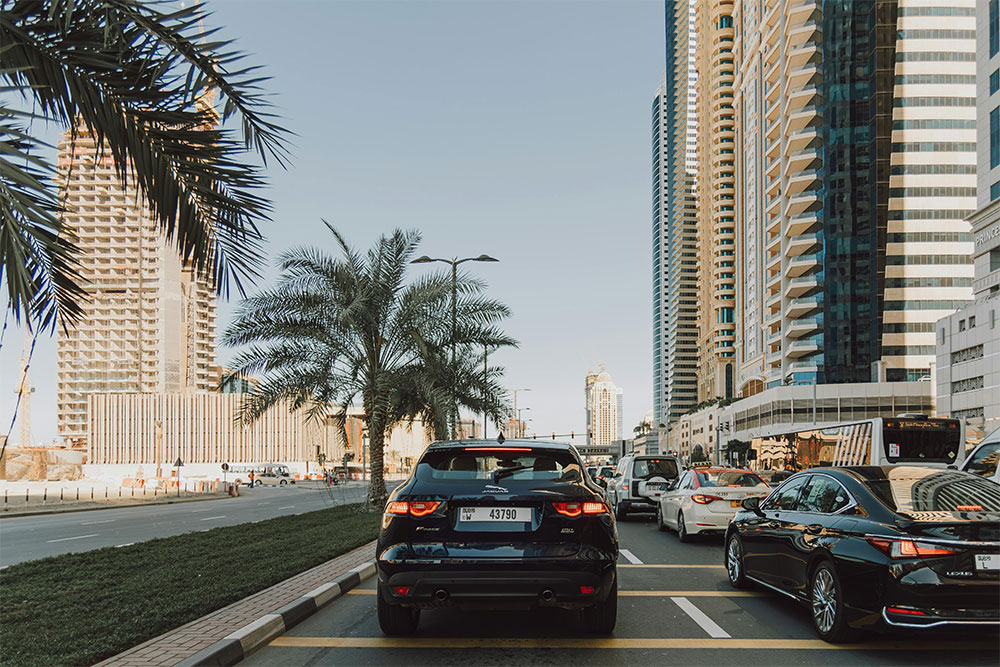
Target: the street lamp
(454, 316)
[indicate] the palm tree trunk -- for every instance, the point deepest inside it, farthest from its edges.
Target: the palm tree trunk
(376, 444)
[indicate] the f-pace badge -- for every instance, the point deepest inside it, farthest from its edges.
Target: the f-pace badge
(495, 489)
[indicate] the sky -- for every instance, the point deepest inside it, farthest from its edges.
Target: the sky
(516, 129)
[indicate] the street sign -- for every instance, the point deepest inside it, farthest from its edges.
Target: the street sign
(178, 463)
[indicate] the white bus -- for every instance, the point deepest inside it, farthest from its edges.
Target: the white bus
(880, 441)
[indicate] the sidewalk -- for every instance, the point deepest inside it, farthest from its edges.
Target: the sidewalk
(187, 640)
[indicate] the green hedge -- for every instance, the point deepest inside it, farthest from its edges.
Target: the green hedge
(78, 609)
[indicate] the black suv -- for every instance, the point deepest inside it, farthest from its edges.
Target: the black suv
(508, 525)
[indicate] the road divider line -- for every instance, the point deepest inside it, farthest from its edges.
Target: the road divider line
(93, 523)
(677, 566)
(652, 594)
(630, 556)
(623, 643)
(698, 616)
(210, 518)
(66, 539)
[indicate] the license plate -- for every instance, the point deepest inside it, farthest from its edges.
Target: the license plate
(736, 503)
(508, 514)
(988, 561)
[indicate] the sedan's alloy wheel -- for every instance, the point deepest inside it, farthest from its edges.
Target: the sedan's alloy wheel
(824, 600)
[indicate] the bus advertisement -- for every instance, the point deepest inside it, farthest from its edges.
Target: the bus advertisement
(879, 441)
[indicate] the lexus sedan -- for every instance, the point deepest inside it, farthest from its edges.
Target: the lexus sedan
(704, 500)
(497, 525)
(875, 547)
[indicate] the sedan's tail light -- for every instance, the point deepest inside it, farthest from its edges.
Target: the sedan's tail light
(576, 509)
(413, 508)
(703, 499)
(904, 548)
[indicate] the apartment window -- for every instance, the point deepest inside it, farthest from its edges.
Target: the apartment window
(994, 28)
(995, 137)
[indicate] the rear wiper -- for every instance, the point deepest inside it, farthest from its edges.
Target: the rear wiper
(507, 472)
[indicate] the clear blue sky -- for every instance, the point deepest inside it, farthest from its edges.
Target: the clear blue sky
(518, 129)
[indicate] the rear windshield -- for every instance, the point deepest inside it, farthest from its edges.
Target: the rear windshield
(729, 478)
(909, 489)
(499, 464)
(646, 468)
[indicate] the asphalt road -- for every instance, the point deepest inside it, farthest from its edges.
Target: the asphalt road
(675, 607)
(30, 537)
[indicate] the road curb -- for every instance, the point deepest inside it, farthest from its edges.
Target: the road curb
(252, 636)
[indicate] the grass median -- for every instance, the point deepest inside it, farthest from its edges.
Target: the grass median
(77, 609)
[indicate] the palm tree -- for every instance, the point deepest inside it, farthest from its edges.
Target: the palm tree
(153, 88)
(335, 330)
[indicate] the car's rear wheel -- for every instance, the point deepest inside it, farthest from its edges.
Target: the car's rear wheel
(395, 619)
(600, 619)
(826, 602)
(682, 531)
(734, 562)
(659, 517)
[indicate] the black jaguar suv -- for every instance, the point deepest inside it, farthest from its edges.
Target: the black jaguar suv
(497, 525)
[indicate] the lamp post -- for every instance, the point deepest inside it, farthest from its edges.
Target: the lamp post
(454, 316)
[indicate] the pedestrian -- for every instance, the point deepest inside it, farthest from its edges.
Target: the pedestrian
(251, 479)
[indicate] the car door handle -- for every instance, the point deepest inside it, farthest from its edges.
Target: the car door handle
(814, 529)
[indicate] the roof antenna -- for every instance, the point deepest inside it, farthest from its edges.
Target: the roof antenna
(500, 438)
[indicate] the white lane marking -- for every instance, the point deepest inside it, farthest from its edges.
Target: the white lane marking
(127, 544)
(699, 617)
(286, 507)
(91, 523)
(209, 518)
(630, 556)
(78, 537)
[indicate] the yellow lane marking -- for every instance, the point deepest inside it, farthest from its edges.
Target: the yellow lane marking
(689, 594)
(683, 567)
(624, 643)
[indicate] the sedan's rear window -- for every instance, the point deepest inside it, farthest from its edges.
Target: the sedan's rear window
(909, 489)
(728, 478)
(646, 468)
(499, 464)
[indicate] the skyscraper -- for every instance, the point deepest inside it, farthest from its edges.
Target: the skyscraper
(856, 170)
(675, 221)
(149, 324)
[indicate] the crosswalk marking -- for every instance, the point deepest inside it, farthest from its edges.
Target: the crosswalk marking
(624, 643)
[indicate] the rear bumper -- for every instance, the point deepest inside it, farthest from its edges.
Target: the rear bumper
(490, 585)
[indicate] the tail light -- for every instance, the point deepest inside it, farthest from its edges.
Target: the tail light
(413, 508)
(703, 499)
(571, 509)
(903, 548)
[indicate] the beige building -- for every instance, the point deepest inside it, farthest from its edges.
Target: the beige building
(716, 200)
(149, 324)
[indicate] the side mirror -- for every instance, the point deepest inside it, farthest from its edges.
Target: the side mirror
(752, 504)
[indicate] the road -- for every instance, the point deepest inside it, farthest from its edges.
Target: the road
(30, 537)
(675, 607)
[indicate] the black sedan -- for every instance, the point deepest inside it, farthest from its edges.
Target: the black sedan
(875, 547)
(508, 525)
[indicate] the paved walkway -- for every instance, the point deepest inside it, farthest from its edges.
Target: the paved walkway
(185, 641)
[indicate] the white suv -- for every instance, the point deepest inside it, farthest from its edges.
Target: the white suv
(639, 481)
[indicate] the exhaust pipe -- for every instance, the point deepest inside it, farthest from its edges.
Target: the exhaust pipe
(441, 595)
(548, 595)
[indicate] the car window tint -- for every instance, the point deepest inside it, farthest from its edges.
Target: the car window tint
(984, 461)
(784, 497)
(823, 495)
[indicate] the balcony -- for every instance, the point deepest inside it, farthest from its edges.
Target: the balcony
(796, 287)
(804, 243)
(804, 326)
(802, 223)
(803, 264)
(802, 306)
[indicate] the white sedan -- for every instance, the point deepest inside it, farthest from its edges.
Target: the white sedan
(706, 499)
